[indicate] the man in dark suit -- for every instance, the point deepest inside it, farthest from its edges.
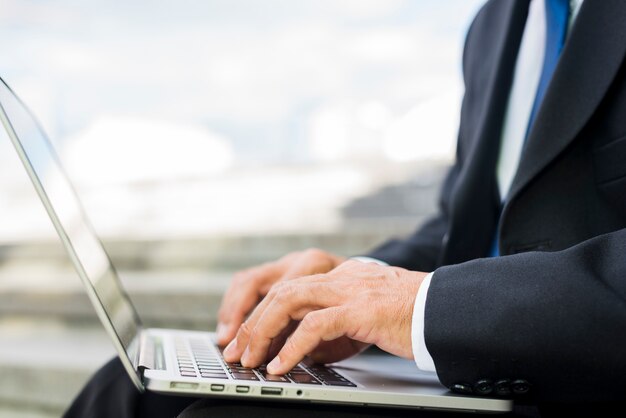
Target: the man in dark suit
(517, 287)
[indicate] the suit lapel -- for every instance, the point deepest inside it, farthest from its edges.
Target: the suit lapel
(476, 205)
(589, 62)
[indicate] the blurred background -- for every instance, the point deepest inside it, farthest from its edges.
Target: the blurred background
(204, 136)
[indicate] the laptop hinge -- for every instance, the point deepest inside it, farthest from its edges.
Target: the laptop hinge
(146, 357)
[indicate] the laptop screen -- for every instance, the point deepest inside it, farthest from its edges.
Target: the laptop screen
(65, 210)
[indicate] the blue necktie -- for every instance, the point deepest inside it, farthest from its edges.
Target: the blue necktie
(557, 13)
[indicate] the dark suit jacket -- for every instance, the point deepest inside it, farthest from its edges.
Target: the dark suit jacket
(551, 311)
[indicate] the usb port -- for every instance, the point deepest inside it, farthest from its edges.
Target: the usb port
(217, 388)
(271, 391)
(242, 389)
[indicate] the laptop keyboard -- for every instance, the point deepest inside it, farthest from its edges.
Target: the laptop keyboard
(199, 359)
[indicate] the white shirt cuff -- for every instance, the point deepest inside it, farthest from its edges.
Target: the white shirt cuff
(421, 355)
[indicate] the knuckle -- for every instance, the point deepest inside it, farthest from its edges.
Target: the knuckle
(290, 346)
(312, 323)
(275, 290)
(280, 298)
(348, 266)
(353, 263)
(253, 340)
(252, 275)
(283, 294)
(314, 254)
(240, 277)
(244, 331)
(280, 288)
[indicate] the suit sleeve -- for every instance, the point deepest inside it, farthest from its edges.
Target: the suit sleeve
(556, 320)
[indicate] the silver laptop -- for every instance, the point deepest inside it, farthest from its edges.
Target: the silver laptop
(190, 362)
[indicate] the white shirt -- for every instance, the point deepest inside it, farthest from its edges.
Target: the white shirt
(528, 69)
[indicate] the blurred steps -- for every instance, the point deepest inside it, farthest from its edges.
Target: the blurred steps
(163, 299)
(43, 365)
(51, 340)
(210, 253)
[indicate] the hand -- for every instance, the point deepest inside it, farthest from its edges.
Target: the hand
(361, 302)
(251, 285)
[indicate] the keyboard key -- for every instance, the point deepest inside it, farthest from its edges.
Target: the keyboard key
(242, 370)
(188, 374)
(275, 378)
(346, 383)
(244, 376)
(332, 378)
(304, 378)
(300, 371)
(233, 364)
(204, 370)
(214, 375)
(205, 358)
(326, 373)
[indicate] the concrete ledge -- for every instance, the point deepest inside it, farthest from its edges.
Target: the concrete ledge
(210, 253)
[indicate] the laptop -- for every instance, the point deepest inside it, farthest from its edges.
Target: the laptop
(174, 361)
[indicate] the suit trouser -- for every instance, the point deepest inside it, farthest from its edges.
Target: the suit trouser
(110, 393)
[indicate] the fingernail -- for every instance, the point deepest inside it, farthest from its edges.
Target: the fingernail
(272, 368)
(230, 348)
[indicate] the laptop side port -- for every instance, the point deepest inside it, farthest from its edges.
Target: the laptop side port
(217, 387)
(271, 391)
(242, 389)
(184, 385)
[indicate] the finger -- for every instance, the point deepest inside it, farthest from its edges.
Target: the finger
(255, 347)
(291, 302)
(241, 297)
(323, 325)
(245, 291)
(309, 262)
(292, 266)
(235, 349)
(227, 330)
(286, 301)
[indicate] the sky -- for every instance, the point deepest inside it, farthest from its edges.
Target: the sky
(270, 76)
(152, 102)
